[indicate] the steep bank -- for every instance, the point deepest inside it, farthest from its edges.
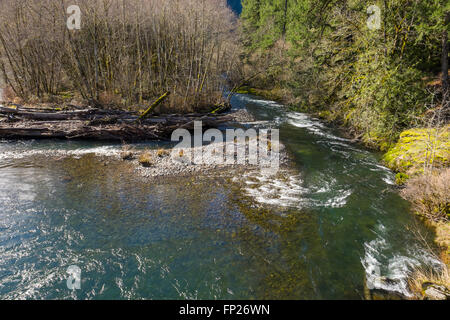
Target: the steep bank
(421, 160)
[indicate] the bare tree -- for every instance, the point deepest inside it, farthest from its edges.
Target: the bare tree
(126, 52)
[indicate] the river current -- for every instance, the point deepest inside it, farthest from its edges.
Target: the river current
(322, 228)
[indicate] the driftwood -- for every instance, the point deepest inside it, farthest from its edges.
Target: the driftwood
(154, 105)
(98, 124)
(47, 115)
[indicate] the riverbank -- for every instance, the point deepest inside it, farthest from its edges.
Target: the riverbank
(420, 160)
(38, 122)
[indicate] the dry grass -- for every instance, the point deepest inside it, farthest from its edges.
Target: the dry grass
(145, 159)
(423, 276)
(162, 153)
(109, 99)
(442, 239)
(127, 153)
(429, 195)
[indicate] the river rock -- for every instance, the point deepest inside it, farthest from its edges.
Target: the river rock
(435, 292)
(379, 293)
(382, 294)
(127, 155)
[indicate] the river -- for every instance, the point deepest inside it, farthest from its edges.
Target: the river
(317, 230)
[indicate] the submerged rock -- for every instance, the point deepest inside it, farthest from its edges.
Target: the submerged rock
(127, 155)
(379, 293)
(382, 294)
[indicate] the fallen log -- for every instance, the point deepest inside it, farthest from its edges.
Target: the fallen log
(98, 124)
(81, 131)
(47, 115)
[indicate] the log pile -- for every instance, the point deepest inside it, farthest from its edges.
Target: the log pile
(30, 123)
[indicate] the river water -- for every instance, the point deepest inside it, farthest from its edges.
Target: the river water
(316, 230)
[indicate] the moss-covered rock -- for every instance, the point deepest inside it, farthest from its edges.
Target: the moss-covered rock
(418, 148)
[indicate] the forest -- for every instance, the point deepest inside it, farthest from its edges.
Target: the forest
(126, 53)
(379, 82)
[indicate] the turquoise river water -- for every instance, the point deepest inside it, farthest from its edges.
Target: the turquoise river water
(319, 229)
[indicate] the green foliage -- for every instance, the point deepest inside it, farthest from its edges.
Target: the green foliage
(372, 80)
(263, 22)
(420, 149)
(401, 178)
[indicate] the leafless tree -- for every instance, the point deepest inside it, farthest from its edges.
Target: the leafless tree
(127, 51)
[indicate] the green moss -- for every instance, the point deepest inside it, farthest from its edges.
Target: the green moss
(66, 95)
(325, 114)
(417, 148)
(401, 178)
(243, 90)
(384, 146)
(376, 140)
(349, 115)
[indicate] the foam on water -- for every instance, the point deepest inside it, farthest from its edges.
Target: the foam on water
(108, 151)
(283, 189)
(389, 270)
(286, 189)
(261, 102)
(301, 120)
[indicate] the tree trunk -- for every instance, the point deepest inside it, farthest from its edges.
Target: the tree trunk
(445, 56)
(285, 16)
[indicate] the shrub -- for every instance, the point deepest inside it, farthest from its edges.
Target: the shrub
(110, 99)
(429, 195)
(145, 159)
(401, 178)
(162, 153)
(8, 94)
(127, 153)
(420, 279)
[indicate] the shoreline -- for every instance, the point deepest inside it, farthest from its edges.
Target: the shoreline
(167, 162)
(439, 229)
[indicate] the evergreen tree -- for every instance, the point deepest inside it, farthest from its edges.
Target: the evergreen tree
(374, 80)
